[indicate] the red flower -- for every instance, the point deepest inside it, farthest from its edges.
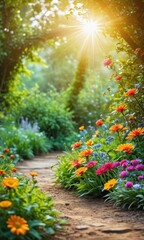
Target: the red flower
(6, 150)
(76, 144)
(12, 156)
(105, 168)
(131, 92)
(121, 108)
(107, 62)
(118, 77)
(99, 122)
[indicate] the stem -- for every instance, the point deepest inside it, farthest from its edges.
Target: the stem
(138, 103)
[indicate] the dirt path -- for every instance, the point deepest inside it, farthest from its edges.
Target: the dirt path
(88, 219)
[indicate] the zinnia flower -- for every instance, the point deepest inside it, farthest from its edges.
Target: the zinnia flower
(99, 122)
(126, 147)
(6, 150)
(116, 127)
(121, 108)
(118, 77)
(86, 152)
(135, 162)
(17, 225)
(2, 172)
(123, 174)
(80, 171)
(89, 143)
(81, 128)
(107, 62)
(111, 183)
(134, 133)
(140, 167)
(128, 184)
(33, 174)
(91, 164)
(76, 144)
(5, 204)
(131, 92)
(130, 168)
(10, 182)
(77, 162)
(141, 177)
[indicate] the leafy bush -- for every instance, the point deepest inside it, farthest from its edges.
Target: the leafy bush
(25, 211)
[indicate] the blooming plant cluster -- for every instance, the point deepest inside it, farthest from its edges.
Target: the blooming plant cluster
(25, 211)
(93, 166)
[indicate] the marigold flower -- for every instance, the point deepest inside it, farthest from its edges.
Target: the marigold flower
(99, 122)
(33, 174)
(10, 182)
(118, 77)
(81, 128)
(132, 117)
(86, 152)
(12, 156)
(107, 62)
(126, 147)
(76, 144)
(111, 183)
(134, 133)
(121, 108)
(77, 162)
(2, 172)
(5, 204)
(17, 225)
(80, 171)
(6, 150)
(116, 127)
(89, 143)
(131, 92)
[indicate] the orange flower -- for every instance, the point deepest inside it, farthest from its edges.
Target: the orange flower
(80, 171)
(111, 183)
(97, 133)
(6, 150)
(132, 117)
(127, 147)
(12, 156)
(76, 144)
(33, 174)
(5, 204)
(118, 77)
(81, 128)
(135, 133)
(86, 152)
(99, 122)
(17, 225)
(124, 129)
(116, 127)
(77, 162)
(131, 92)
(10, 182)
(89, 143)
(14, 169)
(2, 172)
(121, 108)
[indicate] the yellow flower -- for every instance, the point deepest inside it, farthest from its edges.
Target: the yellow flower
(81, 128)
(17, 225)
(135, 133)
(89, 143)
(5, 204)
(111, 183)
(33, 174)
(79, 172)
(10, 182)
(126, 147)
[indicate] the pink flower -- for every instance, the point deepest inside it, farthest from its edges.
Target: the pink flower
(130, 168)
(115, 164)
(124, 163)
(123, 174)
(107, 62)
(141, 177)
(140, 167)
(128, 184)
(134, 162)
(91, 164)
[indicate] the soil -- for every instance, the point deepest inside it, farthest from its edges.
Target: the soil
(87, 218)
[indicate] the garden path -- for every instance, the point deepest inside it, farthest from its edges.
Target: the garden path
(88, 218)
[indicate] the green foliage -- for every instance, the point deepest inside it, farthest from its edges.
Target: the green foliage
(27, 201)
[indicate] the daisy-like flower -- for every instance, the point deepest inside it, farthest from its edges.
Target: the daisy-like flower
(116, 127)
(81, 128)
(111, 183)
(131, 92)
(5, 204)
(80, 171)
(134, 133)
(2, 172)
(89, 143)
(76, 144)
(17, 225)
(33, 174)
(121, 108)
(126, 147)
(10, 182)
(77, 162)
(86, 152)
(99, 123)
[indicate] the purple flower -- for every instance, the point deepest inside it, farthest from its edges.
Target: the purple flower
(140, 177)
(139, 167)
(123, 161)
(130, 168)
(123, 174)
(91, 164)
(136, 186)
(134, 162)
(128, 184)
(115, 164)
